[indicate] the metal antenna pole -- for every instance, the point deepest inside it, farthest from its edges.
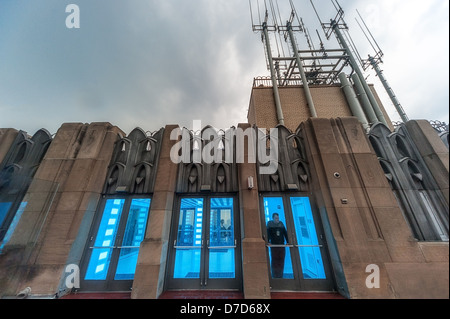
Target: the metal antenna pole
(353, 101)
(358, 71)
(389, 90)
(276, 93)
(309, 99)
(370, 33)
(375, 63)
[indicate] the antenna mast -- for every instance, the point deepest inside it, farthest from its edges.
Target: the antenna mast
(293, 66)
(265, 27)
(375, 61)
(289, 29)
(336, 26)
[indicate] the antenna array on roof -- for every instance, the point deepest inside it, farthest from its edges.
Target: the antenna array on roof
(375, 62)
(339, 28)
(291, 66)
(321, 66)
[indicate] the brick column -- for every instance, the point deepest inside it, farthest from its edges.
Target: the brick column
(151, 266)
(255, 268)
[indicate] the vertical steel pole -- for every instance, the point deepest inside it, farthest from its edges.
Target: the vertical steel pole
(365, 102)
(276, 93)
(389, 90)
(353, 102)
(309, 99)
(358, 71)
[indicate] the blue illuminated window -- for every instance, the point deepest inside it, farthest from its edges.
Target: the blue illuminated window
(134, 234)
(291, 238)
(189, 239)
(280, 257)
(105, 240)
(116, 248)
(308, 244)
(205, 230)
(221, 239)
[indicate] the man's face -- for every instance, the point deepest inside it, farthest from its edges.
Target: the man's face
(276, 218)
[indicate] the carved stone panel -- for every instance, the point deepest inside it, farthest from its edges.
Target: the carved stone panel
(411, 181)
(292, 172)
(208, 162)
(133, 164)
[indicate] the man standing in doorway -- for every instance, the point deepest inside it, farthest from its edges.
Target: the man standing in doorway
(277, 235)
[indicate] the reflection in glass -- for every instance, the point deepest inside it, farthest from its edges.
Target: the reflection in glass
(310, 256)
(105, 240)
(280, 258)
(189, 239)
(221, 239)
(134, 234)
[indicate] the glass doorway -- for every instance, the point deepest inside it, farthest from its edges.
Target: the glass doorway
(298, 259)
(113, 249)
(205, 248)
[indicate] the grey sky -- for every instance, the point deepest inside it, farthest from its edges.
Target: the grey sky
(149, 63)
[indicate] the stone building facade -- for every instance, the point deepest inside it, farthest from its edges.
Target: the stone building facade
(92, 209)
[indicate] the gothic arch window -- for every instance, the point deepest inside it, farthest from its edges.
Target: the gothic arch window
(205, 213)
(111, 252)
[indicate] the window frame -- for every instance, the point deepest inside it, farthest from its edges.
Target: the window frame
(298, 283)
(204, 281)
(110, 283)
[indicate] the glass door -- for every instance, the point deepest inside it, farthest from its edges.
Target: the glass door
(189, 243)
(113, 249)
(296, 247)
(221, 244)
(204, 250)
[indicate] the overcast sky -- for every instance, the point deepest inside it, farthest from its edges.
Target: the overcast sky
(149, 63)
